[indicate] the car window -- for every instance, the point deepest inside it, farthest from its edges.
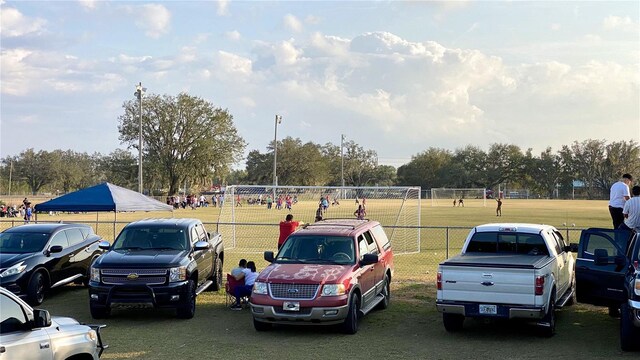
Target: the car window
(381, 236)
(598, 241)
(559, 244)
(317, 249)
(12, 316)
(61, 239)
(74, 236)
(86, 231)
(22, 242)
(169, 238)
(362, 246)
(202, 235)
(516, 243)
(194, 235)
(371, 244)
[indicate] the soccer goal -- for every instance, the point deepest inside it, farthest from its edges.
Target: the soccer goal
(249, 219)
(451, 197)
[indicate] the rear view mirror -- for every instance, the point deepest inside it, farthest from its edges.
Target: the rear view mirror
(601, 256)
(268, 256)
(41, 318)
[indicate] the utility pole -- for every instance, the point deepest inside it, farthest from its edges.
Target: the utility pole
(139, 92)
(275, 155)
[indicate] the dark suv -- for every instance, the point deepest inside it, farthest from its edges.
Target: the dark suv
(329, 272)
(157, 263)
(38, 257)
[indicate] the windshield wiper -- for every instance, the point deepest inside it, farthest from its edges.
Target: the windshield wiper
(132, 248)
(165, 248)
(315, 261)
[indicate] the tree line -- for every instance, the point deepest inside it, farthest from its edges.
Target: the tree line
(190, 143)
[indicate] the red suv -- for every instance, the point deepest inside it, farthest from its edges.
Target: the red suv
(329, 272)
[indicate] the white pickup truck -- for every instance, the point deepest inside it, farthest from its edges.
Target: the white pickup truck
(507, 271)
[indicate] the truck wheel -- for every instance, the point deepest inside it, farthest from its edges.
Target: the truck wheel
(386, 292)
(550, 318)
(350, 325)
(261, 326)
(452, 322)
(36, 289)
(99, 312)
(628, 333)
(188, 307)
(216, 277)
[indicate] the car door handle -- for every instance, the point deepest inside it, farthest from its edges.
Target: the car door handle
(44, 345)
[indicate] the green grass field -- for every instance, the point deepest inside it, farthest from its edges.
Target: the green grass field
(410, 328)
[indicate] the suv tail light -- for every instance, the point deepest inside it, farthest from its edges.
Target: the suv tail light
(539, 285)
(439, 280)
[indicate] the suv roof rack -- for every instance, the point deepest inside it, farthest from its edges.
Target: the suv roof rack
(322, 223)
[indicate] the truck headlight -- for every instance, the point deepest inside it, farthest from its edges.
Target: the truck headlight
(260, 288)
(333, 290)
(14, 270)
(178, 274)
(636, 286)
(95, 274)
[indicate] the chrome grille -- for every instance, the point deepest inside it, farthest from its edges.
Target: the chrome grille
(144, 276)
(293, 291)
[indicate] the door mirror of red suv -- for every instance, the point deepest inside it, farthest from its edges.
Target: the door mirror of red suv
(369, 259)
(268, 255)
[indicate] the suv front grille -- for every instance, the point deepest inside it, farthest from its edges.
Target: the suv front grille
(293, 291)
(134, 276)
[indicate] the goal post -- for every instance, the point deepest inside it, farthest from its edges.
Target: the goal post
(249, 224)
(451, 197)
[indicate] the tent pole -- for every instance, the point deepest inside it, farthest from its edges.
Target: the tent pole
(115, 218)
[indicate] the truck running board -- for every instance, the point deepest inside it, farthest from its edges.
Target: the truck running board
(373, 304)
(204, 286)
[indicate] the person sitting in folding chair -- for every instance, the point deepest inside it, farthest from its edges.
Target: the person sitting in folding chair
(249, 275)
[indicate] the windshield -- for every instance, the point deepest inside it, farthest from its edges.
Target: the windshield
(317, 250)
(22, 242)
(151, 238)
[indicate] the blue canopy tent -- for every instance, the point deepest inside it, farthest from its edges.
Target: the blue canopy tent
(103, 197)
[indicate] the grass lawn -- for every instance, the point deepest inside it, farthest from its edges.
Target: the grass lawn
(410, 328)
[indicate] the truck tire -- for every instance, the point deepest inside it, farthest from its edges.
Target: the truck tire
(629, 334)
(350, 325)
(188, 308)
(550, 318)
(216, 277)
(36, 289)
(386, 292)
(261, 326)
(452, 322)
(99, 312)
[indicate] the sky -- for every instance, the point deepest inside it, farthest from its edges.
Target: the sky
(395, 77)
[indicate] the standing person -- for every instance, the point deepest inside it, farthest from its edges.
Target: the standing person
(250, 274)
(360, 213)
(287, 227)
(461, 202)
(499, 208)
(319, 213)
(454, 202)
(631, 210)
(269, 202)
(325, 204)
(618, 195)
(28, 212)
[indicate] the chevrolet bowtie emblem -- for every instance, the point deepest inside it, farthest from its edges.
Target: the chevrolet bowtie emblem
(132, 276)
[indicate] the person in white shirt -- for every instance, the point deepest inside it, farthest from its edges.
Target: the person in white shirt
(236, 271)
(631, 210)
(618, 195)
(249, 275)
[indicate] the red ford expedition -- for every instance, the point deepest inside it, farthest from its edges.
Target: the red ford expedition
(329, 272)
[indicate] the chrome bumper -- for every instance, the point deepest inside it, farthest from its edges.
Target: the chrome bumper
(320, 315)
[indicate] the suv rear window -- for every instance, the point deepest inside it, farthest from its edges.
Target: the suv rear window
(317, 249)
(507, 242)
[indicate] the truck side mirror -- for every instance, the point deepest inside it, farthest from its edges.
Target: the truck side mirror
(573, 247)
(41, 318)
(201, 245)
(369, 259)
(268, 256)
(601, 256)
(104, 245)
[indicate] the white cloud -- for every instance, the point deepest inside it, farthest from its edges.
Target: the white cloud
(292, 23)
(88, 4)
(312, 20)
(233, 35)
(223, 8)
(234, 64)
(15, 24)
(613, 22)
(555, 27)
(154, 19)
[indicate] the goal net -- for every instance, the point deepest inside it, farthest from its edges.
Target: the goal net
(249, 219)
(451, 197)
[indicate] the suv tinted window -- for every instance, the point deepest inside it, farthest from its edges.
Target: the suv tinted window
(74, 236)
(12, 317)
(60, 239)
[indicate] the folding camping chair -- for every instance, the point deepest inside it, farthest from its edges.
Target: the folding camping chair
(229, 288)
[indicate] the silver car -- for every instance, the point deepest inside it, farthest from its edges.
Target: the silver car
(27, 333)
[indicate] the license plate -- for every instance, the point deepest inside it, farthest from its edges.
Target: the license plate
(488, 309)
(291, 306)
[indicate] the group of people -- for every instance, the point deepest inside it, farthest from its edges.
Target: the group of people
(460, 202)
(246, 273)
(624, 205)
(192, 201)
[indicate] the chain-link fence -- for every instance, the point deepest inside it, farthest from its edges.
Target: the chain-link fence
(250, 240)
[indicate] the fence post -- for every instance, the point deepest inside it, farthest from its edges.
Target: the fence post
(447, 241)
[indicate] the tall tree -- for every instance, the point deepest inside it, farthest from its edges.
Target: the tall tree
(119, 168)
(359, 165)
(428, 169)
(301, 164)
(36, 169)
(184, 137)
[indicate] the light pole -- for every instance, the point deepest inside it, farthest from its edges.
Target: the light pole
(275, 155)
(342, 161)
(139, 92)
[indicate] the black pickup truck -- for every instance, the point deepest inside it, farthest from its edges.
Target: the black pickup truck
(157, 263)
(607, 274)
